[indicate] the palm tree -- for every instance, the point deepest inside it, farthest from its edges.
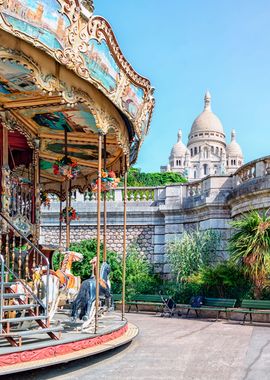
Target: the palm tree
(249, 247)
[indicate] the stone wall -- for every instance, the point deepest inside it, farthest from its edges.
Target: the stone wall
(156, 216)
(140, 236)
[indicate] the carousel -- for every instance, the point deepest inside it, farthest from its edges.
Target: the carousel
(73, 115)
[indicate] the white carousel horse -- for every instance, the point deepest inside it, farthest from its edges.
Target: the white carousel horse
(61, 283)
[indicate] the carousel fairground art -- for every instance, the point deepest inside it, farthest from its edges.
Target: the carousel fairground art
(73, 115)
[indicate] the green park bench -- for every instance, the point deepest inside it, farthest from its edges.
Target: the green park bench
(214, 304)
(117, 298)
(253, 307)
(146, 299)
(140, 299)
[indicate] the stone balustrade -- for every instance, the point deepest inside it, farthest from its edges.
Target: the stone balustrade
(254, 169)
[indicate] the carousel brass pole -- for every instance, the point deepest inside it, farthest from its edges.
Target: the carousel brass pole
(37, 192)
(104, 206)
(98, 226)
(124, 240)
(5, 193)
(67, 201)
(60, 219)
(67, 217)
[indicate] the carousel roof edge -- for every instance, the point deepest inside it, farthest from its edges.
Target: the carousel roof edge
(122, 60)
(85, 45)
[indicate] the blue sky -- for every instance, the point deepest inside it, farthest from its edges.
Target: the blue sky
(187, 46)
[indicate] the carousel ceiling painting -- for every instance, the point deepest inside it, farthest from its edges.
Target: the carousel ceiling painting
(15, 79)
(67, 84)
(75, 120)
(40, 20)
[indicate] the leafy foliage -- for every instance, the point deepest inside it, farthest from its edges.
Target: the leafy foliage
(138, 178)
(250, 248)
(192, 252)
(224, 280)
(84, 269)
(139, 275)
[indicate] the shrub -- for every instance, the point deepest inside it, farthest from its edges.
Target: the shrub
(250, 248)
(181, 292)
(224, 280)
(84, 269)
(193, 251)
(139, 274)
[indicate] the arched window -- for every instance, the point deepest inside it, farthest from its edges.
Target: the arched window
(212, 149)
(191, 152)
(217, 150)
(205, 153)
(195, 174)
(195, 150)
(204, 169)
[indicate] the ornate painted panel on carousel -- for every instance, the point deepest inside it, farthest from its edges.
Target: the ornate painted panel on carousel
(68, 31)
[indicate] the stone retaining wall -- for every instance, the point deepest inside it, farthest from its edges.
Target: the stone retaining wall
(140, 236)
(156, 216)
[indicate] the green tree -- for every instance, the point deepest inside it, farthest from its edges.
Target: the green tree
(250, 248)
(193, 251)
(138, 178)
(139, 272)
(84, 269)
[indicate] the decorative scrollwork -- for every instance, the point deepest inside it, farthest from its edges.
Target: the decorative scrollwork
(11, 122)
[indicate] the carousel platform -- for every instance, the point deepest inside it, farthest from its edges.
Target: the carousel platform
(39, 351)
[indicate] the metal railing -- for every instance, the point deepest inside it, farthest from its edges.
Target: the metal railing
(44, 262)
(2, 261)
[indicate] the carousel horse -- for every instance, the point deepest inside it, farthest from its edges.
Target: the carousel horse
(61, 283)
(85, 300)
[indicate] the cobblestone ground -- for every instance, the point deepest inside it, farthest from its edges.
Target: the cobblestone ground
(176, 348)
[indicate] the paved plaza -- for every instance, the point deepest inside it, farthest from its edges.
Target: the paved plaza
(176, 348)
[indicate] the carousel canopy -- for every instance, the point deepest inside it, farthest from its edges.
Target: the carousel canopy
(64, 81)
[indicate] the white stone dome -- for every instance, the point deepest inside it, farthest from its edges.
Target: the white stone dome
(207, 121)
(179, 149)
(234, 149)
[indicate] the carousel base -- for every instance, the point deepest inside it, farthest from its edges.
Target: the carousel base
(40, 352)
